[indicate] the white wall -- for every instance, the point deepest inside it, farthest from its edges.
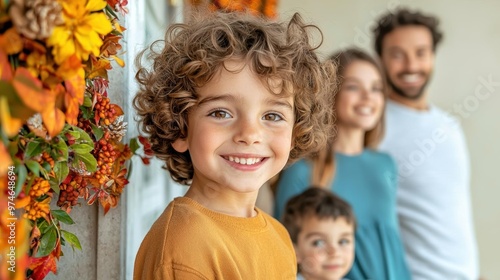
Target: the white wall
(468, 56)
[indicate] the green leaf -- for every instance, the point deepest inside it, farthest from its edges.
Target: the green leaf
(75, 134)
(81, 149)
(130, 168)
(61, 170)
(87, 102)
(33, 148)
(34, 167)
(45, 167)
(43, 225)
(12, 147)
(87, 113)
(98, 132)
(109, 9)
(62, 216)
(134, 145)
(22, 173)
(83, 135)
(45, 170)
(54, 185)
(47, 242)
(89, 161)
(62, 149)
(29, 184)
(71, 239)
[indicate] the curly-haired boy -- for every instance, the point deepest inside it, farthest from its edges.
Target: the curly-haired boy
(229, 100)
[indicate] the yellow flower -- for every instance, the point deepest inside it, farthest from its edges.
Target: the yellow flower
(84, 22)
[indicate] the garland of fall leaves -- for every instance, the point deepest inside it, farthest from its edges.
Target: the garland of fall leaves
(60, 134)
(265, 8)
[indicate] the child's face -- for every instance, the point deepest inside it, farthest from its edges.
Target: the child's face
(360, 101)
(239, 134)
(325, 248)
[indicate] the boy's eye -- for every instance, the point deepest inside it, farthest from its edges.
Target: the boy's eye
(344, 241)
(319, 243)
(220, 114)
(272, 117)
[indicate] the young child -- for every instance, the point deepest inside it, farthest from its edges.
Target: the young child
(361, 175)
(230, 99)
(322, 227)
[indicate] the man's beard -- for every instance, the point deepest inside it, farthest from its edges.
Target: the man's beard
(402, 93)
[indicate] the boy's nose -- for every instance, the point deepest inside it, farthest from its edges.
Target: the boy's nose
(331, 250)
(248, 132)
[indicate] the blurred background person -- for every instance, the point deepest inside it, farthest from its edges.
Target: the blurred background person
(362, 176)
(433, 196)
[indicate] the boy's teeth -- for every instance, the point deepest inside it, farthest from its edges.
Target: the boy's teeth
(246, 161)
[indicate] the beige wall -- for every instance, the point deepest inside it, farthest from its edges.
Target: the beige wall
(469, 56)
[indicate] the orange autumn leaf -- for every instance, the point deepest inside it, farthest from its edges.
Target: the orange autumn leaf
(118, 109)
(5, 69)
(35, 239)
(72, 109)
(111, 45)
(108, 202)
(70, 67)
(30, 90)
(54, 120)
(75, 85)
(100, 68)
(118, 180)
(22, 202)
(5, 159)
(11, 42)
(75, 90)
(53, 117)
(42, 266)
(9, 124)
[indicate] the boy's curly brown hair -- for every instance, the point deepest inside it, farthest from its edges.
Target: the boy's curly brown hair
(193, 52)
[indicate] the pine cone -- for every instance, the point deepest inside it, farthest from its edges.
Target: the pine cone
(35, 124)
(81, 169)
(117, 129)
(35, 19)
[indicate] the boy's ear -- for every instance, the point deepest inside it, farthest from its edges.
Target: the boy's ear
(180, 145)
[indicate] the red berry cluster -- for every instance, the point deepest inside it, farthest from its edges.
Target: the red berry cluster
(105, 154)
(68, 196)
(104, 111)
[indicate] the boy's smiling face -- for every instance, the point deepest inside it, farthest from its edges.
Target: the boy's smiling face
(239, 134)
(325, 248)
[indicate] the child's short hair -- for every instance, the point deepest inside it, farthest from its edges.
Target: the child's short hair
(192, 53)
(314, 202)
(405, 17)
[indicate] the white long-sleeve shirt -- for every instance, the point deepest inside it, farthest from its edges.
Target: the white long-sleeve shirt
(434, 205)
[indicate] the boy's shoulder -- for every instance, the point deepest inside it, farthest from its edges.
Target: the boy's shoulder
(188, 233)
(186, 220)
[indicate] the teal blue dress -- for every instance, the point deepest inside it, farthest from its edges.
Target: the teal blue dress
(368, 182)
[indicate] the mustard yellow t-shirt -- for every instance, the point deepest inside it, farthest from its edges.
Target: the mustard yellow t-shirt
(189, 241)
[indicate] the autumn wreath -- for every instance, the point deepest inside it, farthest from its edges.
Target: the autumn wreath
(61, 135)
